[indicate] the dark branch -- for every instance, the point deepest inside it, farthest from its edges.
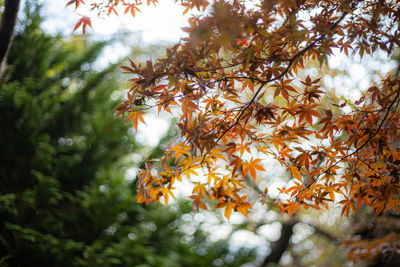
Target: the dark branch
(280, 246)
(7, 25)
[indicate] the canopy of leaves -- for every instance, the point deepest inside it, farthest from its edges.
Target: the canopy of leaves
(64, 200)
(237, 83)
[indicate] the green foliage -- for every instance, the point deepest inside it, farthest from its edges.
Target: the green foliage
(64, 200)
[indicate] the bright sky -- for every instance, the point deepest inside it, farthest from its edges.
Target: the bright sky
(161, 23)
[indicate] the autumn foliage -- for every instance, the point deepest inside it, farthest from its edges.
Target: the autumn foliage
(238, 84)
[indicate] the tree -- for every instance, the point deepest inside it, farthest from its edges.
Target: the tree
(7, 25)
(220, 78)
(64, 199)
(240, 89)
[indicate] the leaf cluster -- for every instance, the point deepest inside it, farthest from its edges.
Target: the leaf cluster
(217, 80)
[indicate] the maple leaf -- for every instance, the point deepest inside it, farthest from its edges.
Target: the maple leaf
(135, 117)
(76, 2)
(84, 21)
(295, 172)
(229, 207)
(252, 167)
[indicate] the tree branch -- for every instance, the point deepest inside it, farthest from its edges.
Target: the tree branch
(285, 71)
(280, 246)
(359, 148)
(7, 25)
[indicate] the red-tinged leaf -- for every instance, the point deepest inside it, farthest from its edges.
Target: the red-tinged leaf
(70, 2)
(308, 80)
(76, 2)
(127, 69)
(84, 21)
(159, 88)
(346, 207)
(309, 119)
(353, 207)
(265, 190)
(112, 9)
(77, 25)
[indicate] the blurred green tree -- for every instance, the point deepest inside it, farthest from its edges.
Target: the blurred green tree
(64, 198)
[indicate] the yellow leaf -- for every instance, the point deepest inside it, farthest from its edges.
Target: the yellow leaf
(228, 210)
(295, 172)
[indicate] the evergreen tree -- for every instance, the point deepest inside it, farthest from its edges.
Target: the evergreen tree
(64, 200)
